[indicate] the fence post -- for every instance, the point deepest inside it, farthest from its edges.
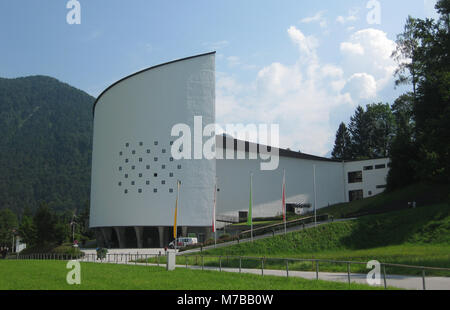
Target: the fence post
(317, 269)
(203, 263)
(240, 264)
(384, 276)
(220, 263)
(423, 279)
(287, 268)
(262, 266)
(186, 260)
(348, 273)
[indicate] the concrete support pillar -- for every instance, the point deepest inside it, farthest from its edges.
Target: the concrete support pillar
(120, 232)
(208, 233)
(184, 230)
(161, 232)
(139, 236)
(106, 232)
(99, 237)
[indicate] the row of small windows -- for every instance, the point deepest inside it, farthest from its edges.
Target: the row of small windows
(164, 151)
(142, 143)
(154, 174)
(140, 159)
(163, 182)
(382, 166)
(148, 167)
(155, 190)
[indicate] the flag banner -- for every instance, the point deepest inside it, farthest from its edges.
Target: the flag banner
(176, 211)
(283, 200)
(249, 216)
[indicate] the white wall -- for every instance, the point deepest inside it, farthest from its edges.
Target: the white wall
(370, 178)
(234, 184)
(144, 108)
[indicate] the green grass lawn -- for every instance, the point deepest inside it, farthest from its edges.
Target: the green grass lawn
(51, 275)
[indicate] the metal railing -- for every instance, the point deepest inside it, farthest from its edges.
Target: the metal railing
(242, 264)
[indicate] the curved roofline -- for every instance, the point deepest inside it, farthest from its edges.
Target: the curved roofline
(144, 70)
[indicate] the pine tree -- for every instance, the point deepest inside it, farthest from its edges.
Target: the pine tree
(342, 145)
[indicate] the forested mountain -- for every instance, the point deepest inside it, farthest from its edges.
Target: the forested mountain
(45, 145)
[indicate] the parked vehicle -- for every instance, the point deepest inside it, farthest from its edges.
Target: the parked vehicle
(182, 242)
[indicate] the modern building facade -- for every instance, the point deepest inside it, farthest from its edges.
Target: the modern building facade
(135, 170)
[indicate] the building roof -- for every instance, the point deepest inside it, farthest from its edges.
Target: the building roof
(228, 142)
(142, 71)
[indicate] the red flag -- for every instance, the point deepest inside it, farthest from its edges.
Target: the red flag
(284, 196)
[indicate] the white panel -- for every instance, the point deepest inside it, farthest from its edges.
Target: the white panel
(143, 108)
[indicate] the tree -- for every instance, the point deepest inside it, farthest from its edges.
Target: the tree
(8, 223)
(381, 127)
(342, 146)
(359, 130)
(27, 231)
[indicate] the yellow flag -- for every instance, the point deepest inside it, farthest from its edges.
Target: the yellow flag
(176, 211)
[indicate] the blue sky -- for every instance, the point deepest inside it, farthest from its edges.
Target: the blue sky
(302, 64)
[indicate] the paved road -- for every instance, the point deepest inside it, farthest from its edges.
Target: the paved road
(405, 282)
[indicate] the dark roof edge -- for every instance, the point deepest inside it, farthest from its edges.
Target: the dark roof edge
(144, 70)
(228, 141)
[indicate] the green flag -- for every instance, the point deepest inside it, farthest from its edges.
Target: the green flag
(249, 216)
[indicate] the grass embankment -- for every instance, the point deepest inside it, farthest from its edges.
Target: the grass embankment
(51, 275)
(423, 194)
(418, 237)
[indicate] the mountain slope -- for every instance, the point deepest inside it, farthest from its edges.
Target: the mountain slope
(45, 148)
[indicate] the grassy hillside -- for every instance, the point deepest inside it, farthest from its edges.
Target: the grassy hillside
(418, 236)
(423, 194)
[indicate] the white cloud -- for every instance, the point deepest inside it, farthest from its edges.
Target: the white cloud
(318, 18)
(361, 86)
(301, 97)
(351, 17)
(352, 48)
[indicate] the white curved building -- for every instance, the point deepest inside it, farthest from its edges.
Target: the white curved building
(134, 174)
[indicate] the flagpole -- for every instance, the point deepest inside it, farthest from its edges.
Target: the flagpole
(176, 213)
(284, 199)
(315, 196)
(251, 206)
(214, 214)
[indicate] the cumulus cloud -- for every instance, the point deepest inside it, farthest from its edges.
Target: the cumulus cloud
(301, 97)
(318, 18)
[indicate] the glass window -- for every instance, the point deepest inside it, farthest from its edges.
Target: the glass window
(120, 183)
(155, 175)
(120, 168)
(147, 182)
(127, 144)
(171, 174)
(148, 167)
(120, 153)
(156, 142)
(140, 190)
(355, 195)
(133, 152)
(155, 190)
(126, 191)
(126, 160)
(148, 151)
(133, 167)
(141, 143)
(355, 177)
(126, 176)
(140, 159)
(132, 182)
(171, 159)
(179, 166)
(140, 175)
(368, 168)
(170, 190)
(163, 182)
(380, 166)
(163, 167)
(164, 151)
